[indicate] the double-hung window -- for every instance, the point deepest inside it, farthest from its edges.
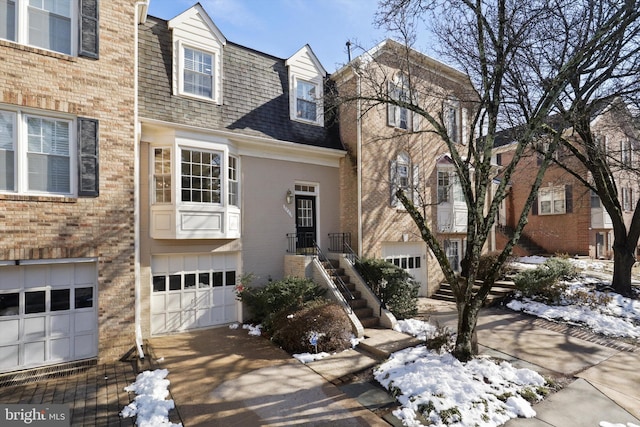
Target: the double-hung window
(452, 250)
(451, 117)
(443, 186)
(306, 101)
(197, 73)
(625, 152)
(56, 25)
(627, 198)
(398, 115)
(233, 181)
(41, 154)
(551, 200)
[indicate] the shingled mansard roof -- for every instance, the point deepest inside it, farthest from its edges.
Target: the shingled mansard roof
(255, 98)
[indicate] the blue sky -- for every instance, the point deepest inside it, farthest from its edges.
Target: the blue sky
(281, 27)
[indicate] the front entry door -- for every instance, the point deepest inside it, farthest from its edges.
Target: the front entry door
(305, 222)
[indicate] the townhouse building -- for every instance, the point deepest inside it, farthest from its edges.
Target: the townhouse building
(389, 147)
(237, 167)
(67, 96)
(566, 217)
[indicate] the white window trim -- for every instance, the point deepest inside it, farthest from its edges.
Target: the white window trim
(558, 189)
(454, 104)
(22, 29)
(293, 100)
(399, 85)
(216, 63)
(21, 168)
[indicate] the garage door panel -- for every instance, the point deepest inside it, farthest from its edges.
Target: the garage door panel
(34, 328)
(34, 353)
(10, 331)
(60, 349)
(9, 356)
(35, 276)
(158, 322)
(60, 325)
(174, 302)
(84, 321)
(173, 320)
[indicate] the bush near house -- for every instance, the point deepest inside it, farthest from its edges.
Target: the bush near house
(544, 283)
(266, 302)
(321, 322)
(396, 288)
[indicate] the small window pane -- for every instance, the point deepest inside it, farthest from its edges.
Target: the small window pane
(60, 299)
(417, 264)
(9, 304)
(230, 279)
(411, 262)
(204, 280)
(84, 297)
(217, 278)
(8, 18)
(403, 262)
(34, 302)
(175, 282)
(159, 284)
(189, 281)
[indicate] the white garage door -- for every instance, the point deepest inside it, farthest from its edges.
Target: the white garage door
(193, 291)
(48, 314)
(410, 256)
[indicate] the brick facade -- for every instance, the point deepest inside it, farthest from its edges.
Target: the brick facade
(50, 227)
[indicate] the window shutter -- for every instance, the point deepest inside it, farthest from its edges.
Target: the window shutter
(416, 185)
(391, 109)
(393, 171)
(89, 29)
(88, 168)
(534, 206)
(568, 198)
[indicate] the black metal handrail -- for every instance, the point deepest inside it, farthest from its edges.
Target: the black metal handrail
(353, 259)
(339, 241)
(336, 277)
(302, 243)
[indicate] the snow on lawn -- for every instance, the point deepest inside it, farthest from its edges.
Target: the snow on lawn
(150, 405)
(620, 317)
(436, 389)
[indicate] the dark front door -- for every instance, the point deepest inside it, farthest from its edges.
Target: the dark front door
(305, 222)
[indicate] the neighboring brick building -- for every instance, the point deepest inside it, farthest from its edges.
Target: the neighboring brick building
(566, 217)
(235, 157)
(390, 147)
(67, 182)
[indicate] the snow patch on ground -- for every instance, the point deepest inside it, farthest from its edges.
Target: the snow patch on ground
(150, 405)
(418, 328)
(254, 330)
(309, 357)
(437, 389)
(608, 424)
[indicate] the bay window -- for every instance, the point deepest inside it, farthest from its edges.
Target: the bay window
(194, 192)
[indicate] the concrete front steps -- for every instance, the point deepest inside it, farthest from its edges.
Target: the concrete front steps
(359, 305)
(500, 290)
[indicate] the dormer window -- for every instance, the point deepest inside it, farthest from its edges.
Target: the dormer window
(197, 73)
(198, 46)
(306, 101)
(306, 78)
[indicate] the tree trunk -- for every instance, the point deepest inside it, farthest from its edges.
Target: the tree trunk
(623, 260)
(467, 341)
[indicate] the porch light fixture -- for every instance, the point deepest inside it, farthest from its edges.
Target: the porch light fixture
(289, 196)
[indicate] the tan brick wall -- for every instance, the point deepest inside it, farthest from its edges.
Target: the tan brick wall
(52, 227)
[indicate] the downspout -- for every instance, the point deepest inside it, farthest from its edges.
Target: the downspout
(140, 14)
(359, 160)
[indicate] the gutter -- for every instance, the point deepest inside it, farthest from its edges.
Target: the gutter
(140, 13)
(359, 158)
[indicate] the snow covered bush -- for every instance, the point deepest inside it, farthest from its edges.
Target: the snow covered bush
(319, 326)
(396, 288)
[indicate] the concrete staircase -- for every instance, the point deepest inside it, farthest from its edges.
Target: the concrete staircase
(358, 304)
(524, 243)
(500, 290)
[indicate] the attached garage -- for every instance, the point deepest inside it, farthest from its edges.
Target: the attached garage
(411, 257)
(193, 291)
(48, 313)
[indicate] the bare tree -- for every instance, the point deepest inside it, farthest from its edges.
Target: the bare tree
(506, 49)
